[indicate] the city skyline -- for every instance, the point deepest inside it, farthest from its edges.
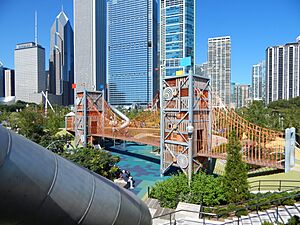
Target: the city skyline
(246, 34)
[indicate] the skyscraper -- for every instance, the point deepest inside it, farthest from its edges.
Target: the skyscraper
(202, 69)
(283, 71)
(90, 44)
(30, 76)
(9, 83)
(1, 80)
(61, 64)
(177, 19)
(132, 51)
(219, 66)
(258, 81)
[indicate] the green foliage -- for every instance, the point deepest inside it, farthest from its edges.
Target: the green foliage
(267, 223)
(101, 162)
(277, 115)
(235, 181)
(205, 190)
(169, 192)
(295, 220)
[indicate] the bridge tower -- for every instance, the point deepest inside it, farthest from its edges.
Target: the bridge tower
(186, 114)
(89, 117)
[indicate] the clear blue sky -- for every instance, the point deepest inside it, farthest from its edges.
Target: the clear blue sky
(252, 24)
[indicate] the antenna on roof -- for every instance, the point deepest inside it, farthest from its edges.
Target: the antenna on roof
(62, 8)
(35, 28)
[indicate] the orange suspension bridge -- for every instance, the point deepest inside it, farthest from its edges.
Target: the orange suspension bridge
(193, 126)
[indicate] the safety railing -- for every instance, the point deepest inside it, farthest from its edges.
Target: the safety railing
(209, 212)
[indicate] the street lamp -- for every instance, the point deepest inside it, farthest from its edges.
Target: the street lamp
(190, 131)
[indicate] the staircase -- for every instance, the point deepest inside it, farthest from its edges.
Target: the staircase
(271, 215)
(163, 214)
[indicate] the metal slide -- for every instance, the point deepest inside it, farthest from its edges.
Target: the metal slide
(122, 116)
(38, 187)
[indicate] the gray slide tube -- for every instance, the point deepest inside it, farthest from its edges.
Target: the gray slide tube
(38, 187)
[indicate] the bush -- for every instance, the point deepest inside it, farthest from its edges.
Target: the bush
(267, 223)
(295, 220)
(101, 162)
(205, 190)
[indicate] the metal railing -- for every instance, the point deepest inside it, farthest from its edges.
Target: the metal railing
(272, 185)
(242, 206)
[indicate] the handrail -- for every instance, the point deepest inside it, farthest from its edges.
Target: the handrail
(280, 184)
(202, 214)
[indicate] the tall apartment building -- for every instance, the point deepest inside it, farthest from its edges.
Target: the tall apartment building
(30, 76)
(177, 20)
(202, 69)
(258, 81)
(132, 51)
(283, 71)
(219, 66)
(1, 80)
(90, 44)
(61, 64)
(9, 83)
(241, 95)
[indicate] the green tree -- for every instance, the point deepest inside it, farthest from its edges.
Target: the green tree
(101, 162)
(235, 181)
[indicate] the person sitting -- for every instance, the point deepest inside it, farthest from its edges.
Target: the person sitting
(130, 182)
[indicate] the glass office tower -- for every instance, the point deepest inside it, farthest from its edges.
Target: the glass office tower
(132, 51)
(177, 35)
(61, 63)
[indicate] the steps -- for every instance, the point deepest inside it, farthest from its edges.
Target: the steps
(190, 218)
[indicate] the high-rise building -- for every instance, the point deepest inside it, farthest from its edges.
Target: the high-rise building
(1, 80)
(258, 81)
(9, 83)
(240, 95)
(61, 64)
(132, 51)
(177, 19)
(90, 44)
(219, 66)
(283, 71)
(202, 69)
(30, 76)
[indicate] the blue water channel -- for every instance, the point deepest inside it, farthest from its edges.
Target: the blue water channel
(142, 164)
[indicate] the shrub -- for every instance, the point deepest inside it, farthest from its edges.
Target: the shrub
(101, 162)
(205, 190)
(267, 223)
(235, 181)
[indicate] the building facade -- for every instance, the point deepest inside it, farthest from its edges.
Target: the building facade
(219, 66)
(177, 20)
(61, 64)
(283, 71)
(258, 81)
(241, 95)
(1, 80)
(89, 44)
(132, 51)
(30, 76)
(202, 69)
(9, 83)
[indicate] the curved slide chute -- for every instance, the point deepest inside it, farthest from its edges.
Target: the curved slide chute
(122, 116)
(39, 187)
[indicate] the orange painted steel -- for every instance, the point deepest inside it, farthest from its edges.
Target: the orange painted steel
(260, 146)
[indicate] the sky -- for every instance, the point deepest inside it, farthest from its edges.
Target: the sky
(252, 24)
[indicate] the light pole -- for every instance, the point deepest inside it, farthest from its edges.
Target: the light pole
(190, 131)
